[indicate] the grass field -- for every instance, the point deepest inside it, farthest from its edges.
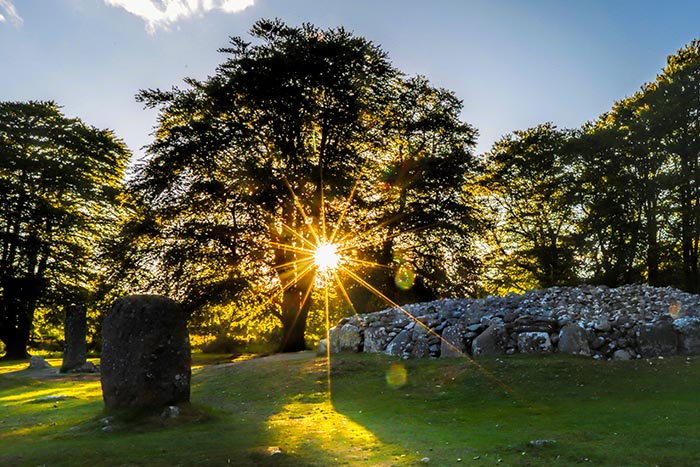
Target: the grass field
(371, 410)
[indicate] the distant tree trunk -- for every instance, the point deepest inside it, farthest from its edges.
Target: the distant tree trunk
(16, 345)
(689, 222)
(18, 304)
(653, 247)
(296, 303)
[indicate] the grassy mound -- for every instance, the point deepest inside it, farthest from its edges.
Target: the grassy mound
(371, 410)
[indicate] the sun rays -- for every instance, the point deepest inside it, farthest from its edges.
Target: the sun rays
(330, 257)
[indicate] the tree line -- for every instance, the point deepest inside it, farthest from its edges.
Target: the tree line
(614, 202)
(304, 137)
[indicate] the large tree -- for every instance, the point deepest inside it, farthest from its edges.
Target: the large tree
(531, 196)
(671, 110)
(639, 177)
(298, 134)
(59, 182)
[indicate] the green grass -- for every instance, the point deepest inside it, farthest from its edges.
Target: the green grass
(277, 412)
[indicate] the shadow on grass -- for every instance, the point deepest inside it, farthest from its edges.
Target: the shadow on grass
(558, 410)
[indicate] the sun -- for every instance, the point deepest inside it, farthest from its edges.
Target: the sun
(326, 257)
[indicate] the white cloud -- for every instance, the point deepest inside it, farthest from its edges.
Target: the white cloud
(9, 13)
(163, 13)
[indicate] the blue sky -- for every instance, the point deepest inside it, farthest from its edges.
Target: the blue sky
(514, 63)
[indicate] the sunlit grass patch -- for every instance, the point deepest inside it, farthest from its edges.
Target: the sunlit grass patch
(41, 410)
(19, 365)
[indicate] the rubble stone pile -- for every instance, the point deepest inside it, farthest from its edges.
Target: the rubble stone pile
(621, 323)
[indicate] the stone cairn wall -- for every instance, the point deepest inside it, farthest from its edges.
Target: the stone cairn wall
(605, 323)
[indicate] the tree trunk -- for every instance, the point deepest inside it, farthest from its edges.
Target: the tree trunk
(16, 346)
(653, 248)
(17, 308)
(296, 303)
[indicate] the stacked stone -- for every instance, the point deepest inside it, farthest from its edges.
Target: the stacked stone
(621, 323)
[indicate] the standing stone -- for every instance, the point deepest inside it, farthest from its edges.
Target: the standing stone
(145, 357)
(350, 338)
(75, 347)
(398, 344)
(345, 337)
(322, 348)
(688, 335)
(623, 354)
(573, 340)
(376, 340)
(38, 363)
(333, 342)
(421, 347)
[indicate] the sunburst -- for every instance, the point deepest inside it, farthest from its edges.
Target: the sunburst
(327, 258)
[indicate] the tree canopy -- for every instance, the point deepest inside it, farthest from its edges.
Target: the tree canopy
(305, 137)
(308, 140)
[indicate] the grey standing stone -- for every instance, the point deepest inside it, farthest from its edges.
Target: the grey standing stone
(398, 344)
(38, 363)
(490, 342)
(349, 338)
(145, 359)
(334, 339)
(623, 354)
(375, 340)
(322, 348)
(574, 340)
(421, 347)
(346, 337)
(75, 347)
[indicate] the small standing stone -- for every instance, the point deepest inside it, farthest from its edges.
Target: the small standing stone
(660, 339)
(623, 354)
(75, 347)
(534, 342)
(453, 344)
(490, 342)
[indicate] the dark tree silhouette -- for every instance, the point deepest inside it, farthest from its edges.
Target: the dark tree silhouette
(257, 162)
(59, 183)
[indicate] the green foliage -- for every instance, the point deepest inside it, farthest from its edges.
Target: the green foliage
(615, 202)
(60, 181)
(639, 166)
(531, 195)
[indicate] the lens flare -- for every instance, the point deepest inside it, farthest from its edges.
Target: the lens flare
(326, 257)
(405, 276)
(397, 376)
